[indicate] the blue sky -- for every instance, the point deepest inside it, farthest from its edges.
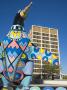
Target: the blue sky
(49, 13)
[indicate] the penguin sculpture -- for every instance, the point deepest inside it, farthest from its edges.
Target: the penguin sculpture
(17, 54)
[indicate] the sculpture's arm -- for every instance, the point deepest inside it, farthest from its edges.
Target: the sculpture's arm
(25, 10)
(21, 15)
(42, 54)
(1, 57)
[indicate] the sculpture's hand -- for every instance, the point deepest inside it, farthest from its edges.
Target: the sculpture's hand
(25, 10)
(1, 57)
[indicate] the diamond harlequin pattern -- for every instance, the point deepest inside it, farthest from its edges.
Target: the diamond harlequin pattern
(13, 50)
(13, 44)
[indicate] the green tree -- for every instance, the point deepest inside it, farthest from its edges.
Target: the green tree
(50, 71)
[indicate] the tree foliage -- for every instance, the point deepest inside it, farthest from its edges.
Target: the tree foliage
(51, 70)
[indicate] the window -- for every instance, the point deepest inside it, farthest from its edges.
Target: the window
(39, 41)
(37, 37)
(52, 46)
(37, 66)
(45, 41)
(52, 35)
(34, 36)
(55, 43)
(37, 70)
(54, 50)
(44, 34)
(34, 40)
(54, 39)
(36, 33)
(43, 45)
(46, 38)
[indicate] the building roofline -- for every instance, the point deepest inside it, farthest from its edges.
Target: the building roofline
(45, 27)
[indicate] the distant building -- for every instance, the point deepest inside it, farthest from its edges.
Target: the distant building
(46, 38)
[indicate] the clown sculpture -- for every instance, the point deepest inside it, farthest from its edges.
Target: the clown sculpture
(17, 54)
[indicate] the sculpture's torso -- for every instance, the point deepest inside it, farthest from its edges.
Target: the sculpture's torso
(15, 56)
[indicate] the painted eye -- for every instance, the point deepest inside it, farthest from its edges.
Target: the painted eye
(16, 27)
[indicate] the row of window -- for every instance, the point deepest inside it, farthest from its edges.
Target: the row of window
(38, 37)
(54, 50)
(53, 46)
(36, 40)
(37, 61)
(55, 43)
(51, 35)
(39, 33)
(46, 46)
(46, 38)
(37, 70)
(43, 45)
(39, 45)
(54, 39)
(46, 42)
(36, 33)
(44, 34)
(37, 66)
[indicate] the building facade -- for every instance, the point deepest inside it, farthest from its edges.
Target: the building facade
(46, 38)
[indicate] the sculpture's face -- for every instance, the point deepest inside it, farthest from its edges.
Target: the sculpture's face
(16, 27)
(15, 34)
